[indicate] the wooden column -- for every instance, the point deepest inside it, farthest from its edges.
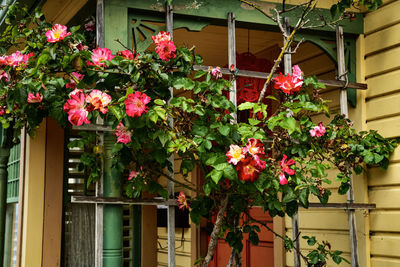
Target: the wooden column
(287, 65)
(232, 59)
(170, 184)
(53, 195)
(341, 63)
(112, 214)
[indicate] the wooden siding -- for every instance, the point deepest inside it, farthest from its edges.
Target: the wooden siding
(382, 72)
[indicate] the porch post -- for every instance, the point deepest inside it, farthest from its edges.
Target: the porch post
(112, 220)
(4, 154)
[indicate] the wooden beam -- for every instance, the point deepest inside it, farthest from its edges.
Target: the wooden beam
(122, 201)
(346, 206)
(263, 75)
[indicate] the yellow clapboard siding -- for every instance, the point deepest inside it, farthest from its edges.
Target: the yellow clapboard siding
(382, 62)
(385, 221)
(383, 106)
(383, 84)
(181, 260)
(339, 240)
(382, 39)
(379, 177)
(334, 198)
(306, 51)
(320, 219)
(333, 96)
(385, 245)
(385, 198)
(395, 155)
(389, 127)
(382, 17)
(384, 262)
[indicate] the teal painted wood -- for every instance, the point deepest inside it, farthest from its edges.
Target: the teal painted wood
(112, 214)
(8, 236)
(212, 9)
(13, 172)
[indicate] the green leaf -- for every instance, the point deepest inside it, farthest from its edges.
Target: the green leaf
(303, 197)
(224, 130)
(199, 74)
(159, 102)
(117, 111)
(216, 175)
(246, 105)
(230, 173)
(253, 122)
(253, 238)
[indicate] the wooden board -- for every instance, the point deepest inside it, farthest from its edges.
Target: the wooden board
(382, 62)
(379, 177)
(373, 21)
(385, 106)
(327, 219)
(383, 84)
(384, 262)
(383, 39)
(385, 245)
(388, 127)
(385, 221)
(385, 198)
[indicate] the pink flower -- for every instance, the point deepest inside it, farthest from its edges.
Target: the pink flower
(2, 110)
(166, 50)
(4, 75)
(78, 117)
(75, 107)
(161, 37)
(90, 26)
(318, 131)
(98, 101)
(289, 84)
(123, 134)
(285, 165)
(235, 154)
(282, 179)
(133, 174)
(76, 77)
(3, 61)
(216, 72)
(127, 54)
(34, 98)
(17, 59)
(254, 147)
(296, 71)
(135, 104)
(57, 33)
(100, 55)
(182, 201)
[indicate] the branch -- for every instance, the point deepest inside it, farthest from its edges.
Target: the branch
(212, 245)
(124, 46)
(174, 180)
(231, 258)
(259, 9)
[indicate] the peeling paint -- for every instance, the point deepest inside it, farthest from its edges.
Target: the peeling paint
(268, 8)
(157, 7)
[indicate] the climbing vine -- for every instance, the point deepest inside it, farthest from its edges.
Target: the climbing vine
(274, 161)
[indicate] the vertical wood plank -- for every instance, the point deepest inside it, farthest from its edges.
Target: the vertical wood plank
(100, 23)
(232, 58)
(344, 110)
(287, 65)
(170, 184)
(21, 194)
(53, 195)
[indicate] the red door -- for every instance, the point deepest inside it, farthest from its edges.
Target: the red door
(261, 255)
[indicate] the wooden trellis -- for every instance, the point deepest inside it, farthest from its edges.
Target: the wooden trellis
(342, 83)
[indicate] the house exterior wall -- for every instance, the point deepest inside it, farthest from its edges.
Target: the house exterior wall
(382, 72)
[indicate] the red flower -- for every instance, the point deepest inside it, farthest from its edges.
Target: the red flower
(75, 107)
(4, 75)
(123, 134)
(34, 98)
(135, 104)
(216, 72)
(254, 147)
(57, 33)
(90, 26)
(166, 50)
(285, 165)
(127, 54)
(17, 59)
(78, 117)
(249, 169)
(182, 201)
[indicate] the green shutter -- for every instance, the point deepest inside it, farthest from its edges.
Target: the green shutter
(13, 174)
